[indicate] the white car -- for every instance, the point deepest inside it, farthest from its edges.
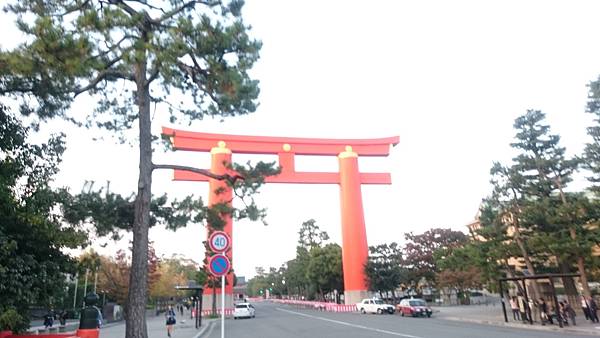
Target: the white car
(374, 305)
(243, 310)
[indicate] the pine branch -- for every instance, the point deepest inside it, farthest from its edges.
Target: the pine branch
(72, 9)
(225, 177)
(183, 7)
(132, 12)
(105, 74)
(154, 72)
(145, 3)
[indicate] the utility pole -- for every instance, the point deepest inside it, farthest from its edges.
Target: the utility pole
(85, 285)
(75, 292)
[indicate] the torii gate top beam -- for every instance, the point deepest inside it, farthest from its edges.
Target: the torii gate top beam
(194, 141)
(286, 148)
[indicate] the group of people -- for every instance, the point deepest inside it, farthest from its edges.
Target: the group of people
(590, 309)
(522, 310)
(51, 315)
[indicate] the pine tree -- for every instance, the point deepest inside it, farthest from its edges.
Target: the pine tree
(188, 55)
(546, 172)
(503, 212)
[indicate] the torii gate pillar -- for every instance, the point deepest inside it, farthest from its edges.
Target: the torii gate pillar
(355, 250)
(219, 192)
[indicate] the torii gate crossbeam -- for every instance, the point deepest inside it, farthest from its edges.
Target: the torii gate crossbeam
(349, 178)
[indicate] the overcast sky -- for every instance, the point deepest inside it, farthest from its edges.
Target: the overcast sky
(448, 77)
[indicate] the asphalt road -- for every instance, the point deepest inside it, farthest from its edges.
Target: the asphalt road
(276, 321)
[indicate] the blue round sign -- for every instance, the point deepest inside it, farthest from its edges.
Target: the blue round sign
(219, 265)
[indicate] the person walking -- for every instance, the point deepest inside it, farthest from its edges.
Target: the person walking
(515, 308)
(570, 312)
(62, 318)
(522, 307)
(170, 316)
(585, 307)
(564, 312)
(544, 311)
(49, 319)
(593, 308)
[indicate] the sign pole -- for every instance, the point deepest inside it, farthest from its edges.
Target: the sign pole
(223, 306)
(219, 266)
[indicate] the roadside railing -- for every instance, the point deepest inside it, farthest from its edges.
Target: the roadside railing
(319, 306)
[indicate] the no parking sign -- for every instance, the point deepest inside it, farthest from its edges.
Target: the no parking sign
(219, 265)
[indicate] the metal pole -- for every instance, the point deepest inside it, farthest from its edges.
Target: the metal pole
(199, 305)
(85, 286)
(223, 306)
(96, 280)
(195, 309)
(556, 309)
(75, 293)
(502, 299)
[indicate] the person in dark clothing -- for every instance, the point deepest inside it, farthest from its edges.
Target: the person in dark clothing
(544, 316)
(570, 312)
(170, 316)
(593, 308)
(62, 318)
(586, 308)
(49, 319)
(563, 313)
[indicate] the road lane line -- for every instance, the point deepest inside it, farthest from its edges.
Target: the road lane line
(349, 324)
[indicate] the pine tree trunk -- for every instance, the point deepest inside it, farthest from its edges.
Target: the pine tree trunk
(581, 270)
(536, 288)
(135, 325)
(568, 282)
(580, 263)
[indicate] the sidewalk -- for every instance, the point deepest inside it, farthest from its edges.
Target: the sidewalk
(492, 315)
(185, 328)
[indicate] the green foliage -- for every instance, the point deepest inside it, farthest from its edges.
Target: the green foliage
(529, 213)
(315, 271)
(32, 235)
(591, 154)
(385, 269)
(325, 269)
(310, 235)
(199, 50)
(11, 320)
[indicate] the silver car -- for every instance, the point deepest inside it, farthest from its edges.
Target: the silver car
(244, 310)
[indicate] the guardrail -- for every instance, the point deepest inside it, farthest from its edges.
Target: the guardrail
(228, 312)
(319, 306)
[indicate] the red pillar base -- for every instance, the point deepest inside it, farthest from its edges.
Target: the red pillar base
(353, 297)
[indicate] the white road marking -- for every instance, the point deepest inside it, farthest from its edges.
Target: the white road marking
(350, 324)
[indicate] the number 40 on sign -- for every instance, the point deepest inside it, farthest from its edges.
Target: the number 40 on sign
(219, 241)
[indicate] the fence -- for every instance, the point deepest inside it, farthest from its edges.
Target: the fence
(320, 306)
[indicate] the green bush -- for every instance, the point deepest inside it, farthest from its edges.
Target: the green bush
(11, 320)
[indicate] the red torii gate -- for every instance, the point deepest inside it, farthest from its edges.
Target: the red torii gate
(349, 178)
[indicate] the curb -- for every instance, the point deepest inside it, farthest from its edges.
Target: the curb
(526, 326)
(204, 328)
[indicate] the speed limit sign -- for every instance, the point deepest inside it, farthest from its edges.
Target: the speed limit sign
(219, 241)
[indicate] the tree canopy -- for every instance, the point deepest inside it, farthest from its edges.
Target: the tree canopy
(32, 233)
